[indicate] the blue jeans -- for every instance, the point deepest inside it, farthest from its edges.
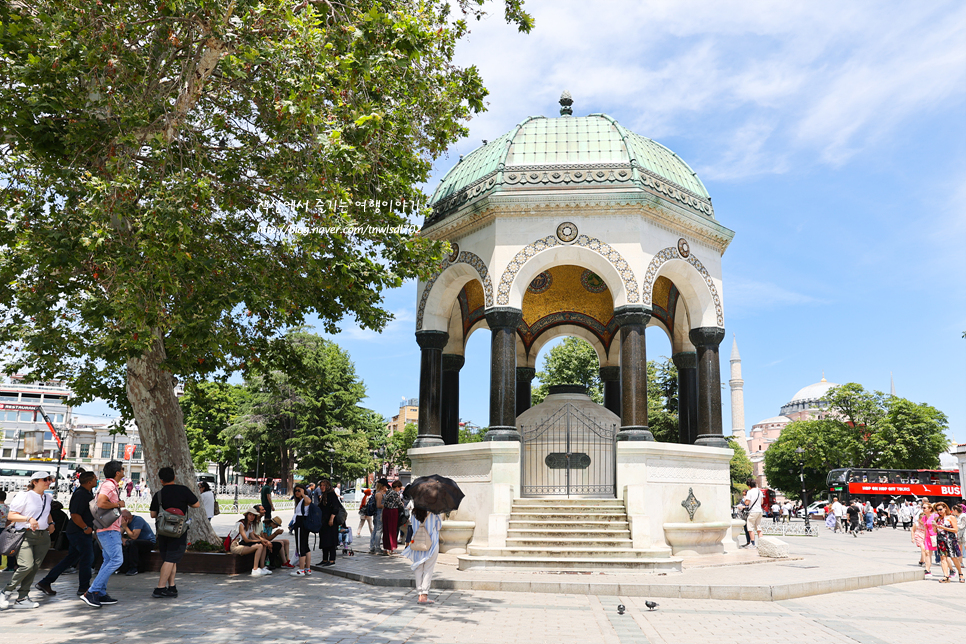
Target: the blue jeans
(110, 541)
(81, 553)
(375, 541)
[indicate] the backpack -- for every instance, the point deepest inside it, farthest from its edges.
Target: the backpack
(313, 521)
(169, 524)
(421, 542)
(370, 509)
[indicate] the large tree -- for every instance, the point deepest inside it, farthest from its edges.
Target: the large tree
(208, 408)
(822, 442)
(178, 176)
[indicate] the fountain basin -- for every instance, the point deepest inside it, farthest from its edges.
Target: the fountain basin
(454, 535)
(697, 538)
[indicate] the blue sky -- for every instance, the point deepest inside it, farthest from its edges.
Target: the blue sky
(832, 139)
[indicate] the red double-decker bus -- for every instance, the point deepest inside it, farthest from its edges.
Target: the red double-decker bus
(882, 486)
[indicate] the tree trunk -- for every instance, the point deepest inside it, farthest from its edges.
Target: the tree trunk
(222, 467)
(150, 390)
(284, 473)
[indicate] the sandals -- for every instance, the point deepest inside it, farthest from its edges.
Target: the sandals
(944, 580)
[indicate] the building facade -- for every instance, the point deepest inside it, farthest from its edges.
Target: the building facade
(408, 413)
(52, 397)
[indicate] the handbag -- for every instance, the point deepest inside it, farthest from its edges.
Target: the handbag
(11, 538)
(217, 507)
(421, 542)
(933, 541)
(104, 519)
(169, 524)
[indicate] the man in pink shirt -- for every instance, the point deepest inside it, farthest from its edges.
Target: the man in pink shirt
(108, 497)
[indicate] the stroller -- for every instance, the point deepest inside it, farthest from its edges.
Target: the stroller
(345, 540)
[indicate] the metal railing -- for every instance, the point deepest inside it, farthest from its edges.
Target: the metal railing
(782, 529)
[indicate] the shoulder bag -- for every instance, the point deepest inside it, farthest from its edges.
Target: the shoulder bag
(11, 538)
(421, 542)
(104, 518)
(169, 524)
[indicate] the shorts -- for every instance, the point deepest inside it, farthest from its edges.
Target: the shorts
(172, 549)
(753, 522)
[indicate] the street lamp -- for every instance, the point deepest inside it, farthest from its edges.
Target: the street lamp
(801, 474)
(239, 439)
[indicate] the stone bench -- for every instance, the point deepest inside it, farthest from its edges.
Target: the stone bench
(206, 562)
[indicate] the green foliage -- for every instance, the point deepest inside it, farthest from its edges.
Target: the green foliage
(823, 442)
(399, 444)
(208, 408)
(572, 362)
(169, 171)
(879, 430)
(662, 400)
(305, 406)
(862, 429)
(741, 467)
(471, 434)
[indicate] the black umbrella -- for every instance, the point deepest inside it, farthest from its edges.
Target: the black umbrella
(435, 493)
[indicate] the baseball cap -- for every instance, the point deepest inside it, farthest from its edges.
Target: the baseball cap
(39, 475)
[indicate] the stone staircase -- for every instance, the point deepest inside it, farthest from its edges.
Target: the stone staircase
(568, 534)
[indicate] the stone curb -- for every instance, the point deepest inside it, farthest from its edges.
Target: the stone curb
(777, 592)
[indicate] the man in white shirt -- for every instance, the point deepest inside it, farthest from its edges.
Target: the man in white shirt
(30, 511)
(776, 512)
(787, 512)
(753, 498)
(839, 511)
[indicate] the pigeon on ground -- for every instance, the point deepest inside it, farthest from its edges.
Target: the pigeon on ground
(651, 605)
(620, 609)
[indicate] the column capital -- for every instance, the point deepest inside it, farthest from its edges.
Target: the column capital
(503, 317)
(706, 336)
(432, 339)
(630, 314)
(685, 360)
(610, 374)
(453, 361)
(526, 373)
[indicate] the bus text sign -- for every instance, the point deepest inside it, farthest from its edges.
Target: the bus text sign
(905, 488)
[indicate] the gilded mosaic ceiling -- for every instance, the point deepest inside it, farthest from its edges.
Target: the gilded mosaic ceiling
(567, 288)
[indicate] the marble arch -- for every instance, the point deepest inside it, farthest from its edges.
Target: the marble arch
(693, 281)
(530, 360)
(440, 291)
(588, 252)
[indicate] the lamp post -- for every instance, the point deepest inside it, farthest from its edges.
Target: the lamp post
(801, 475)
(239, 439)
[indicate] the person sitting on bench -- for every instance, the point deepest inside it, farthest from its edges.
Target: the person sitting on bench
(137, 539)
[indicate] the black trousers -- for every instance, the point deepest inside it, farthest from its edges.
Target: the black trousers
(328, 554)
(134, 551)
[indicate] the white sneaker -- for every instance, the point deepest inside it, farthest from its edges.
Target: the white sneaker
(258, 573)
(266, 571)
(308, 572)
(297, 573)
(26, 602)
(3, 601)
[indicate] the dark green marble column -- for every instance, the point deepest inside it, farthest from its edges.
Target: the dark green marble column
(706, 341)
(430, 387)
(452, 363)
(632, 320)
(687, 366)
(525, 377)
(503, 322)
(611, 377)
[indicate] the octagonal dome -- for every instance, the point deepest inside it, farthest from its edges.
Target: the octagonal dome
(570, 153)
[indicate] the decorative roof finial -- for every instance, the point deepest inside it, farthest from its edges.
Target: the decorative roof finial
(823, 376)
(565, 102)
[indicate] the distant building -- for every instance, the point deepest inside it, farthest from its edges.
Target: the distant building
(93, 445)
(808, 404)
(408, 413)
(52, 396)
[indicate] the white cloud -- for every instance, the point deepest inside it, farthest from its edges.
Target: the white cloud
(752, 83)
(751, 295)
(401, 327)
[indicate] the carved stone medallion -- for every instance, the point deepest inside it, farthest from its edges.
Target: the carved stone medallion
(567, 232)
(683, 248)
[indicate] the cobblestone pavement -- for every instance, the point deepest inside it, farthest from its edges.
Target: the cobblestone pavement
(324, 609)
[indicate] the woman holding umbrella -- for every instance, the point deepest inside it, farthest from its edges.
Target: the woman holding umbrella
(432, 496)
(424, 561)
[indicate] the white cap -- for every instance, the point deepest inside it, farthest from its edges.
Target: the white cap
(39, 475)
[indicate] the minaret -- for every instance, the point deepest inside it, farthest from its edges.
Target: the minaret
(737, 397)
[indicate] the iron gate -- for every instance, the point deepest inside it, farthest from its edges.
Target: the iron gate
(569, 454)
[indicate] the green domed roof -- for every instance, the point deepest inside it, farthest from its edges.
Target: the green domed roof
(576, 153)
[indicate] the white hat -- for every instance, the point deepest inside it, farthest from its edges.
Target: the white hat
(39, 475)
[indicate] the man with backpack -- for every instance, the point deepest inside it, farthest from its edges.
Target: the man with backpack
(171, 499)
